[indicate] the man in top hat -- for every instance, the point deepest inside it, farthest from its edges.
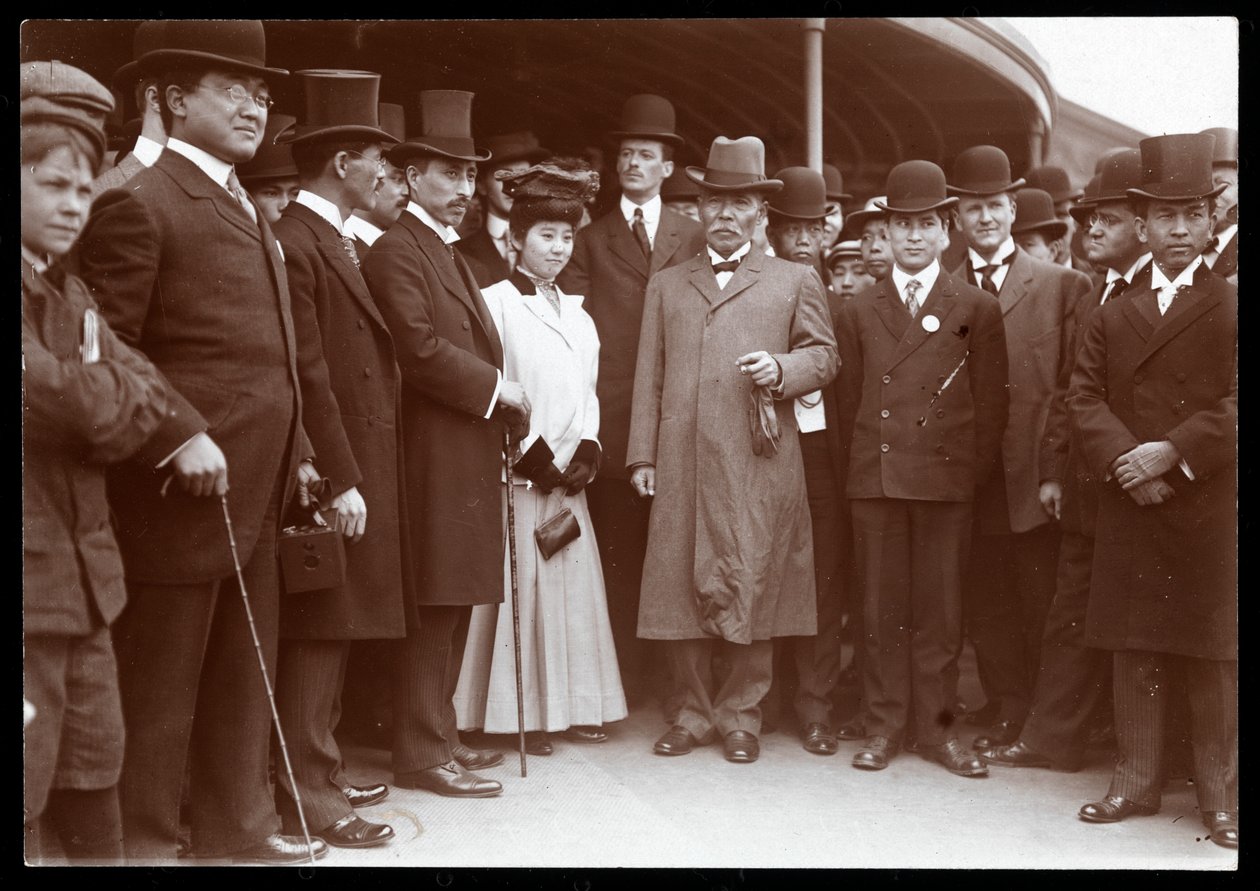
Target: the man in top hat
(186, 269)
(1010, 582)
(613, 259)
(143, 90)
(680, 194)
(489, 252)
(730, 339)
(833, 223)
(1036, 229)
(351, 397)
(365, 225)
(1054, 182)
(1221, 253)
(1154, 399)
(455, 404)
(795, 229)
(270, 176)
(1073, 679)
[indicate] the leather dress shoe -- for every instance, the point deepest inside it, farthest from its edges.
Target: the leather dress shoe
(1113, 809)
(854, 729)
(1003, 733)
(475, 759)
(352, 831)
(1015, 755)
(1222, 828)
(538, 743)
(876, 752)
(585, 735)
(741, 747)
(449, 779)
(282, 849)
(956, 759)
(365, 796)
(676, 741)
(818, 739)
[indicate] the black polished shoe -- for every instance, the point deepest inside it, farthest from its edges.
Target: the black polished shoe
(1015, 755)
(278, 849)
(476, 759)
(365, 796)
(854, 729)
(1222, 828)
(875, 754)
(351, 831)
(957, 760)
(741, 747)
(449, 779)
(1003, 733)
(676, 741)
(538, 743)
(579, 734)
(818, 739)
(1113, 809)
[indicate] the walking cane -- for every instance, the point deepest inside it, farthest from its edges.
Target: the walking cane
(262, 666)
(516, 603)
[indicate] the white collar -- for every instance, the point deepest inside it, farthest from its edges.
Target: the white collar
(1005, 249)
(147, 151)
(738, 255)
(444, 232)
(40, 263)
(362, 229)
(322, 206)
(1114, 274)
(651, 209)
(1223, 237)
(215, 168)
(1185, 278)
(496, 226)
(926, 277)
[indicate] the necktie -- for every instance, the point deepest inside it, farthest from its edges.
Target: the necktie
(1172, 298)
(640, 233)
(912, 288)
(725, 266)
(986, 274)
(1213, 243)
(348, 244)
(547, 289)
(1117, 288)
(238, 192)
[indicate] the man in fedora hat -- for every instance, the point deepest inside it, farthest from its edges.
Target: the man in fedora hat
(1221, 252)
(796, 229)
(923, 404)
(455, 403)
(1036, 229)
(365, 225)
(489, 252)
(1154, 399)
(1073, 679)
(613, 259)
(1010, 582)
(729, 340)
(270, 176)
(186, 269)
(1054, 182)
(350, 410)
(143, 90)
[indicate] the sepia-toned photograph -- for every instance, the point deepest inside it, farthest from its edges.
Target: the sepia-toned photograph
(658, 443)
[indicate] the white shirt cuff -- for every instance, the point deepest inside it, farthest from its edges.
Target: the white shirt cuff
(494, 399)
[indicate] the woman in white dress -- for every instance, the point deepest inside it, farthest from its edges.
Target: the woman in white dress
(571, 680)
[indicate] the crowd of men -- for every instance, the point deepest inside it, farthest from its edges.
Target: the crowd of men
(977, 407)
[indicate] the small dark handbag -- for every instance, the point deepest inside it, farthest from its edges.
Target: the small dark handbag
(312, 557)
(557, 532)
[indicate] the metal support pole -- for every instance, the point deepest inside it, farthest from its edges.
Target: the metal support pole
(814, 92)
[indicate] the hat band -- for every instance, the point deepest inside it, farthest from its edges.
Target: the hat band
(732, 177)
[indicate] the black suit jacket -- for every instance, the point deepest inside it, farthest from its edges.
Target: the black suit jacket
(483, 258)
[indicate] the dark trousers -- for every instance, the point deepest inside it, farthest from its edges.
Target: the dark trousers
(735, 704)
(193, 695)
(426, 671)
(308, 698)
(1010, 583)
(1072, 678)
(910, 557)
(1140, 684)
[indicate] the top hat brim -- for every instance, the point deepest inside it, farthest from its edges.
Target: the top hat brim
(160, 60)
(346, 132)
(989, 189)
(1053, 228)
(404, 150)
(828, 209)
(697, 176)
(1159, 192)
(939, 205)
(672, 138)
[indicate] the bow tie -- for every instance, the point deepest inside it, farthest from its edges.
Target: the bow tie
(993, 267)
(725, 266)
(1213, 244)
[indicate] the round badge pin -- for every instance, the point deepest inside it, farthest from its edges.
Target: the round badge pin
(931, 323)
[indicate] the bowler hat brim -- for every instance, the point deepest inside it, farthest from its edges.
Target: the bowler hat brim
(125, 77)
(839, 196)
(1081, 211)
(697, 176)
(1171, 193)
(158, 61)
(410, 149)
(672, 138)
(1053, 229)
(939, 205)
(987, 189)
(827, 210)
(344, 132)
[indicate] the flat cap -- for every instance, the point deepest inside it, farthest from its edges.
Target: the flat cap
(66, 85)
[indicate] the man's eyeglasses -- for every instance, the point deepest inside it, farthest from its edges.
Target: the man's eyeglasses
(238, 95)
(1106, 220)
(379, 162)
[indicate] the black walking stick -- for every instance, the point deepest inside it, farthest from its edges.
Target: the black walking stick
(262, 666)
(516, 605)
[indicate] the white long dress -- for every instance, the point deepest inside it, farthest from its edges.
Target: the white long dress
(569, 663)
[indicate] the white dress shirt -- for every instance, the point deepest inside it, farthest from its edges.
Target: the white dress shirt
(147, 151)
(724, 277)
(322, 206)
(926, 277)
(1005, 249)
(1114, 275)
(1167, 291)
(215, 168)
(1210, 257)
(357, 227)
(651, 215)
(497, 229)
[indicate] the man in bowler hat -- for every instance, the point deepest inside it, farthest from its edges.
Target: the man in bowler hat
(1154, 399)
(1036, 230)
(1221, 251)
(143, 90)
(923, 402)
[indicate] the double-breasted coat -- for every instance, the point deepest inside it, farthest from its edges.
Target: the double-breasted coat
(729, 550)
(352, 389)
(450, 357)
(609, 269)
(1164, 576)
